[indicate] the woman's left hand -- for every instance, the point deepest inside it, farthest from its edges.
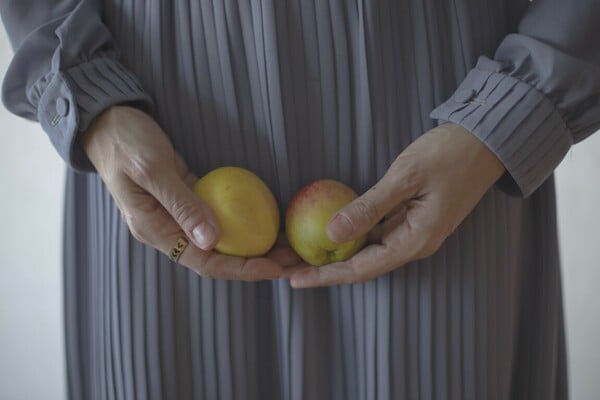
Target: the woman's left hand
(425, 194)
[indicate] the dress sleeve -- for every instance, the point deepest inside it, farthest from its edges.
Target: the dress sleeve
(65, 70)
(538, 95)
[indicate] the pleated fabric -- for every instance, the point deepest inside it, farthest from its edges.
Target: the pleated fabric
(299, 90)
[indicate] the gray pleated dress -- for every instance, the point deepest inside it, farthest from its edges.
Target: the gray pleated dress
(298, 90)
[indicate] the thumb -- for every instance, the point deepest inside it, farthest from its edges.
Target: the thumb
(190, 212)
(361, 215)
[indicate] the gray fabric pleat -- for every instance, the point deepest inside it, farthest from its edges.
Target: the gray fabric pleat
(296, 91)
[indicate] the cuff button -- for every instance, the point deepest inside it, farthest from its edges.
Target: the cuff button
(62, 106)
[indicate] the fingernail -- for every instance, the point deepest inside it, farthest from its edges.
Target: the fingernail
(340, 228)
(204, 234)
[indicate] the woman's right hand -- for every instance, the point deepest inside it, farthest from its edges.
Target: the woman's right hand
(152, 187)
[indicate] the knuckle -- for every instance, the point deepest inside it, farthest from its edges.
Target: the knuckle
(434, 249)
(366, 210)
(431, 244)
(180, 164)
(134, 223)
(184, 213)
(141, 169)
(201, 272)
(201, 267)
(122, 212)
(136, 235)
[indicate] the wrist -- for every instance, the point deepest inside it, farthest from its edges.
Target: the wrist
(94, 139)
(484, 161)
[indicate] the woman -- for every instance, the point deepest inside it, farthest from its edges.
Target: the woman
(457, 297)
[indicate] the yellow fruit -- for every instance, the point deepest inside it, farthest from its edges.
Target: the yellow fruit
(306, 222)
(245, 209)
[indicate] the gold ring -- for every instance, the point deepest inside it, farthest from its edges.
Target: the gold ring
(179, 247)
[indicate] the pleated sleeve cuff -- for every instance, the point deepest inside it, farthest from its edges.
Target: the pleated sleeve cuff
(517, 122)
(74, 97)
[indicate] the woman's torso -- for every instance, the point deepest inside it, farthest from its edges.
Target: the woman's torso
(298, 90)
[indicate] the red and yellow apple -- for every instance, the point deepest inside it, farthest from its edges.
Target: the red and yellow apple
(306, 221)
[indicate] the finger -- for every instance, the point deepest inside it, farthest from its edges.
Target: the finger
(288, 272)
(188, 177)
(284, 256)
(180, 165)
(192, 214)
(220, 266)
(390, 223)
(400, 245)
(375, 234)
(190, 180)
(372, 261)
(387, 224)
(399, 209)
(361, 215)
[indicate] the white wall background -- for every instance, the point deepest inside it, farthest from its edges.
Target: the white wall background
(31, 198)
(578, 192)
